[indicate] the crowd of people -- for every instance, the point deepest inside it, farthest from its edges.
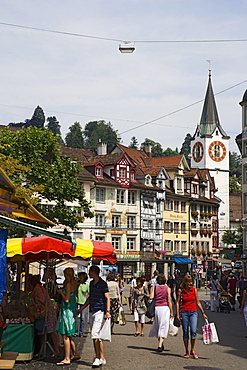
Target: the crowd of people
(174, 299)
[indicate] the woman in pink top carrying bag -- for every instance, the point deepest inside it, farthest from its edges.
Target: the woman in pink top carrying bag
(163, 310)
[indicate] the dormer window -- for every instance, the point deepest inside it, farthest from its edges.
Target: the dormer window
(132, 176)
(122, 172)
(98, 172)
(148, 180)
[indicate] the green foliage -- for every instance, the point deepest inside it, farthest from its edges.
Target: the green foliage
(54, 126)
(133, 143)
(235, 184)
(235, 164)
(156, 148)
(74, 138)
(38, 118)
(96, 131)
(186, 148)
(170, 153)
(233, 237)
(38, 151)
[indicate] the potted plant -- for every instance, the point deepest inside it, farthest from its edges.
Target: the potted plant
(198, 253)
(194, 214)
(193, 252)
(204, 253)
(194, 232)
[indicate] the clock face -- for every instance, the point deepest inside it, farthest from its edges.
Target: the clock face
(197, 151)
(217, 151)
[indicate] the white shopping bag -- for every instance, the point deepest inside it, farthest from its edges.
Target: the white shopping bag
(173, 330)
(105, 331)
(209, 333)
(214, 335)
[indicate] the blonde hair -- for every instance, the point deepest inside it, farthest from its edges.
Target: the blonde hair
(185, 281)
(69, 272)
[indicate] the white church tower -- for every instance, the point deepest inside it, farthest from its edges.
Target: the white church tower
(210, 149)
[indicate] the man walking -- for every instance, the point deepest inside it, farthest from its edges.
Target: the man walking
(99, 301)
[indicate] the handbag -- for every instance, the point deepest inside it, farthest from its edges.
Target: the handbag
(209, 333)
(173, 330)
(176, 322)
(37, 310)
(150, 313)
(105, 331)
(124, 300)
(122, 320)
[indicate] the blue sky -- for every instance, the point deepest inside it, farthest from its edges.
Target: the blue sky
(83, 79)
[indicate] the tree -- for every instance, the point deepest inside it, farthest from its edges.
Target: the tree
(54, 126)
(156, 148)
(235, 184)
(133, 143)
(235, 164)
(55, 175)
(234, 237)
(74, 138)
(170, 153)
(186, 148)
(37, 120)
(96, 131)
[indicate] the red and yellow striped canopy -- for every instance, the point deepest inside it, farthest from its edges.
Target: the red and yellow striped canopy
(44, 247)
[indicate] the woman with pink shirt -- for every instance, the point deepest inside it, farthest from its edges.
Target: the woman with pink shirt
(163, 310)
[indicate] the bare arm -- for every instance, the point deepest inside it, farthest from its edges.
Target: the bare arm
(200, 306)
(108, 305)
(118, 294)
(170, 302)
(178, 304)
(151, 296)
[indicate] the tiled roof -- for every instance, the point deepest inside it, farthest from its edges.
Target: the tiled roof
(83, 155)
(12, 128)
(166, 162)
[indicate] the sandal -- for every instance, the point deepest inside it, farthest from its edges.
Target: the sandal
(186, 355)
(62, 363)
(136, 334)
(142, 335)
(75, 358)
(194, 354)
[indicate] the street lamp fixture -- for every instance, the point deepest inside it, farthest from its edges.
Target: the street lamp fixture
(127, 47)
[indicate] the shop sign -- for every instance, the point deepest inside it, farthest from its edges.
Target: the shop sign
(132, 256)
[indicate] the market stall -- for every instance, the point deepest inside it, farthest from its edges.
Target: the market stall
(50, 251)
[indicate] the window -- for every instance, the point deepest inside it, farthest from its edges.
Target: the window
(168, 245)
(179, 184)
(176, 246)
(183, 207)
(187, 186)
(176, 227)
(245, 147)
(112, 172)
(131, 197)
(99, 238)
(169, 205)
(184, 246)
(245, 174)
(132, 176)
(245, 203)
(98, 171)
(121, 196)
(122, 172)
(215, 244)
(158, 205)
(195, 189)
(150, 224)
(116, 242)
(214, 225)
(183, 227)
(176, 205)
(144, 224)
(99, 220)
(168, 227)
(100, 195)
(131, 242)
(116, 221)
(131, 222)
(148, 180)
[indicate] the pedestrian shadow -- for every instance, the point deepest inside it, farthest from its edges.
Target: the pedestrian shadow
(202, 368)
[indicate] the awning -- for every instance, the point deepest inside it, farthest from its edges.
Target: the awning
(17, 206)
(182, 260)
(44, 247)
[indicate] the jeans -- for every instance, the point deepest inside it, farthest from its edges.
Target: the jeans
(82, 321)
(214, 300)
(189, 320)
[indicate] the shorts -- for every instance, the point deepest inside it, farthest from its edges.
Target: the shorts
(139, 317)
(95, 321)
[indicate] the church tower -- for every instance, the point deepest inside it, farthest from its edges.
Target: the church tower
(210, 149)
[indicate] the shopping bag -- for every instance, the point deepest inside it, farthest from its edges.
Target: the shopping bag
(122, 320)
(151, 309)
(206, 333)
(105, 331)
(124, 300)
(173, 330)
(176, 322)
(214, 335)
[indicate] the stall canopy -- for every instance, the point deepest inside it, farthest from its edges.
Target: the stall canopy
(182, 260)
(17, 206)
(44, 247)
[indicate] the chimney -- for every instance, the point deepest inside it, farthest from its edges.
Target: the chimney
(102, 148)
(148, 149)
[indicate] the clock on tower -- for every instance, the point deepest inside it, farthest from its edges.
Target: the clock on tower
(197, 151)
(217, 151)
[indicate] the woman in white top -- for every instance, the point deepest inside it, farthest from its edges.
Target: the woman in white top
(115, 298)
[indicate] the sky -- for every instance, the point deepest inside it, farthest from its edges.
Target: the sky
(77, 78)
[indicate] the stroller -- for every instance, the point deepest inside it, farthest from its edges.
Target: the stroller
(224, 304)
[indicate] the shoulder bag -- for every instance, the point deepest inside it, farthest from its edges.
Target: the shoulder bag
(151, 308)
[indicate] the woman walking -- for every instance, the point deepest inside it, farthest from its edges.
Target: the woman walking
(186, 309)
(115, 299)
(67, 319)
(139, 296)
(163, 310)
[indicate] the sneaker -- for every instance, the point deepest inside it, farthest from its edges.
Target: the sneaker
(103, 362)
(97, 362)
